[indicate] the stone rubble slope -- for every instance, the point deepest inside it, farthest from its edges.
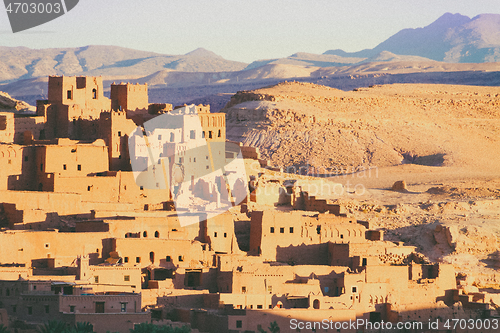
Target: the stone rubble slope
(297, 124)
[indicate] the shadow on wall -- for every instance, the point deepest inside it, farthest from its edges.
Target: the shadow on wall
(313, 254)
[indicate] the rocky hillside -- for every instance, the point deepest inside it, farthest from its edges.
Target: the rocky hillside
(298, 124)
(7, 103)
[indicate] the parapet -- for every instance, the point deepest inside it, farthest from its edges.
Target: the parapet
(200, 108)
(159, 108)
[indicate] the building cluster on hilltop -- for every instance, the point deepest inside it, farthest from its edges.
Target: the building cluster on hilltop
(88, 238)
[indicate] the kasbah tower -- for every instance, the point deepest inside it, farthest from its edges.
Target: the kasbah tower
(82, 240)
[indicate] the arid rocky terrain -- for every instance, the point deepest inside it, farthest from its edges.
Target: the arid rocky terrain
(296, 124)
(442, 140)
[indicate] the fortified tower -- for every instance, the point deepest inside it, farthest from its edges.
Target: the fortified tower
(129, 97)
(71, 99)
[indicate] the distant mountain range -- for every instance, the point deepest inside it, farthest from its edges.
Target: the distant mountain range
(453, 49)
(24, 63)
(451, 38)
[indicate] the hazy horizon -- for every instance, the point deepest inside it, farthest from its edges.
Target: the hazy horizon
(241, 31)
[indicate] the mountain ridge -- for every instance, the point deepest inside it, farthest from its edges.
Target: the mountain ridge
(451, 38)
(94, 60)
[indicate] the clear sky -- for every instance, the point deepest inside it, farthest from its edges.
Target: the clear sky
(236, 29)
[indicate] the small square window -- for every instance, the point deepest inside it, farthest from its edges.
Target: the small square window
(272, 230)
(125, 259)
(30, 310)
(239, 324)
(126, 278)
(47, 309)
(138, 260)
(79, 167)
(282, 230)
(26, 158)
(181, 258)
(291, 230)
(72, 308)
(96, 279)
(168, 259)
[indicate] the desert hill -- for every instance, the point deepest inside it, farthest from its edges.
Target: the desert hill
(24, 63)
(170, 86)
(309, 59)
(298, 124)
(451, 38)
